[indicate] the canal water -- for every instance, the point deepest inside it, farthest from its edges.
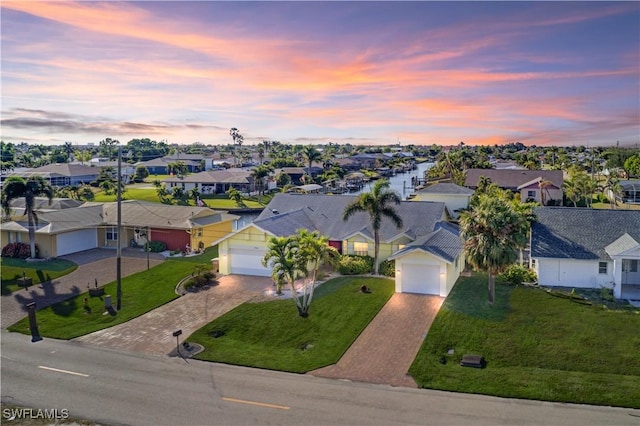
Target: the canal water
(401, 183)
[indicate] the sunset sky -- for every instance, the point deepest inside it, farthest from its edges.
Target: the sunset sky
(542, 73)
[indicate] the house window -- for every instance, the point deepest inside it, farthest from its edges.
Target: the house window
(199, 232)
(531, 194)
(112, 233)
(629, 265)
(361, 249)
(602, 267)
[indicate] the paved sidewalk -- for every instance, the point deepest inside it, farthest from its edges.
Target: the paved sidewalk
(92, 264)
(385, 350)
(151, 333)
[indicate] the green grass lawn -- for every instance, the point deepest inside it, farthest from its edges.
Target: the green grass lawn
(12, 269)
(209, 253)
(271, 335)
(537, 347)
(219, 201)
(141, 293)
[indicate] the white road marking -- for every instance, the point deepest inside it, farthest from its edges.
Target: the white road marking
(63, 371)
(259, 404)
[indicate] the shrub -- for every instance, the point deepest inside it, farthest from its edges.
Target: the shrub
(17, 250)
(517, 274)
(355, 265)
(198, 281)
(388, 268)
(155, 246)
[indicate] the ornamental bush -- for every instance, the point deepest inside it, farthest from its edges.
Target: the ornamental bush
(388, 268)
(155, 246)
(17, 250)
(517, 274)
(355, 265)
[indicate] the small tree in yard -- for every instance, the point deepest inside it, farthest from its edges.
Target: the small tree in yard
(282, 256)
(298, 256)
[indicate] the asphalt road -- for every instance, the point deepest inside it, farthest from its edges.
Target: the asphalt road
(114, 387)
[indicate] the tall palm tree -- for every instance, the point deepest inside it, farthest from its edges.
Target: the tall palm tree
(492, 233)
(282, 257)
(311, 154)
(16, 187)
(376, 204)
(544, 186)
(258, 174)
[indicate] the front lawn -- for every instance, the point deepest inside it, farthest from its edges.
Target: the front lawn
(536, 346)
(271, 335)
(141, 293)
(12, 269)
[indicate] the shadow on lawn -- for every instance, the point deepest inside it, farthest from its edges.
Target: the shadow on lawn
(61, 306)
(470, 297)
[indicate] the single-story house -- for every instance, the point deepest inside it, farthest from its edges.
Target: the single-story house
(587, 248)
(94, 225)
(426, 249)
(215, 181)
(523, 182)
(455, 197)
(296, 173)
(62, 174)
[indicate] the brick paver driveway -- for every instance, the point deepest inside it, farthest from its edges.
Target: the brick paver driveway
(385, 350)
(151, 333)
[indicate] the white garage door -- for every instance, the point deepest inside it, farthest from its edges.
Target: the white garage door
(248, 262)
(422, 279)
(71, 242)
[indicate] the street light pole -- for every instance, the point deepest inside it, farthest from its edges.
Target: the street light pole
(119, 230)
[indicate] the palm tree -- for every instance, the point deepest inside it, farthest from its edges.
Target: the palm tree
(492, 233)
(236, 196)
(258, 174)
(16, 187)
(237, 139)
(311, 154)
(315, 251)
(376, 204)
(286, 265)
(544, 186)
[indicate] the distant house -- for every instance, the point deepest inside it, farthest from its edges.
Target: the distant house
(214, 181)
(64, 174)
(524, 182)
(93, 225)
(296, 173)
(455, 197)
(587, 248)
(426, 249)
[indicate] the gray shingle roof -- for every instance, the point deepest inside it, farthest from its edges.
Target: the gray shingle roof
(446, 188)
(512, 179)
(580, 233)
(324, 213)
(444, 242)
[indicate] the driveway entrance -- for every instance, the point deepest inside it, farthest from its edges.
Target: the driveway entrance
(385, 350)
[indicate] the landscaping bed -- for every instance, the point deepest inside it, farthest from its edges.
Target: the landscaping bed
(272, 335)
(536, 346)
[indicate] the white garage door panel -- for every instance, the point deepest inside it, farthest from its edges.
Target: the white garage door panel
(422, 279)
(72, 242)
(248, 262)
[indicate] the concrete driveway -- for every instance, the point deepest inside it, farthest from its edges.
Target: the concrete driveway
(151, 333)
(385, 350)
